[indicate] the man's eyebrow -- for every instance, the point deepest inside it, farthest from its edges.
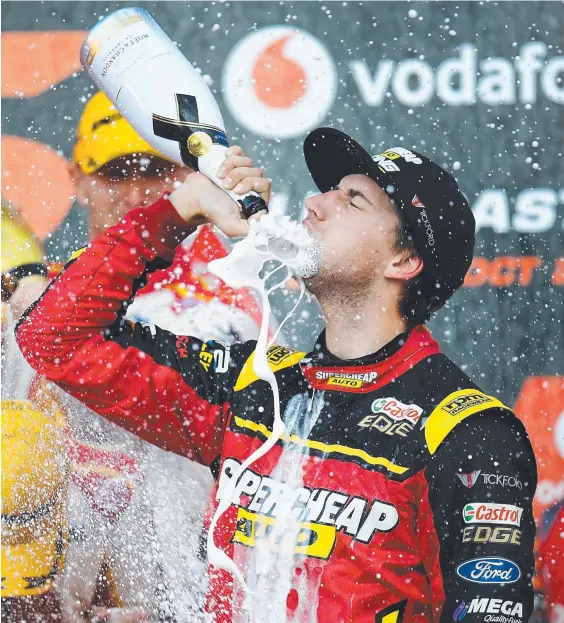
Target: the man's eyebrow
(353, 193)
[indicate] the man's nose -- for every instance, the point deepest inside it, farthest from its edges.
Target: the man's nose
(314, 207)
(134, 196)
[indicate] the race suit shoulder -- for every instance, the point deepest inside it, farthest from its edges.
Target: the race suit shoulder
(399, 491)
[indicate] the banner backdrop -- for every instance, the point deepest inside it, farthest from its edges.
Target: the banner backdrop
(478, 87)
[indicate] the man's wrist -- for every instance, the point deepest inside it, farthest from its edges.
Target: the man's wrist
(187, 207)
(162, 226)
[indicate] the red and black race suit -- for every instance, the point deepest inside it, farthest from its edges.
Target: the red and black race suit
(412, 501)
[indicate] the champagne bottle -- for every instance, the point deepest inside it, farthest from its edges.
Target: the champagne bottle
(152, 84)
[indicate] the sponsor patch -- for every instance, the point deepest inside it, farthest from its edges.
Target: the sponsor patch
(491, 534)
(397, 410)
(469, 480)
(302, 518)
(277, 354)
(501, 480)
(490, 570)
(392, 417)
(219, 357)
(510, 611)
(341, 379)
(341, 382)
(485, 512)
(182, 346)
(460, 611)
(416, 202)
(461, 403)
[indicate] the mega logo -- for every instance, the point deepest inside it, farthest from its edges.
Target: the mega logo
(511, 611)
(392, 417)
(490, 534)
(490, 570)
(279, 81)
(485, 512)
(302, 518)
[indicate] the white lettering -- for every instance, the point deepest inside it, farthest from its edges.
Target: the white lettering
(333, 505)
(491, 209)
(497, 86)
(351, 516)
(494, 606)
(381, 518)
(528, 63)
(535, 210)
(464, 68)
(455, 81)
(552, 80)
(372, 88)
(413, 82)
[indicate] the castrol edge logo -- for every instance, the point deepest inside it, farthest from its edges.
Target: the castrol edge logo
(481, 512)
(279, 82)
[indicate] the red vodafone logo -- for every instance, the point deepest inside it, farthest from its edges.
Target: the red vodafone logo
(279, 82)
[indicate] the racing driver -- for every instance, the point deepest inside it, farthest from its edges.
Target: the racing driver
(400, 491)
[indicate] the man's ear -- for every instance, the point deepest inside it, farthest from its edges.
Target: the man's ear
(404, 267)
(79, 181)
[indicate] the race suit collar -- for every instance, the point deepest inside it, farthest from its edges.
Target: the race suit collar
(324, 357)
(325, 371)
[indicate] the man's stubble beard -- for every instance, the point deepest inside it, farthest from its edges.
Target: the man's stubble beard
(338, 292)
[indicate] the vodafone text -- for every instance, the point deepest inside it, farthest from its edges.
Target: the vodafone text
(273, 510)
(463, 79)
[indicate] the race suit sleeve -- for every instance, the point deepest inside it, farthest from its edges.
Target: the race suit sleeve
(172, 391)
(481, 482)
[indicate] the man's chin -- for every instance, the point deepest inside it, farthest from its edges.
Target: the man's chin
(311, 263)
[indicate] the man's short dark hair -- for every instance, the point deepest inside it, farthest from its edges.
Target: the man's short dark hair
(414, 305)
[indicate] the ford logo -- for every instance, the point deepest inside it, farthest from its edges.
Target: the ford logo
(491, 570)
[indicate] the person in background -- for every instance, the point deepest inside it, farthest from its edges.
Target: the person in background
(549, 578)
(41, 460)
(133, 506)
(34, 464)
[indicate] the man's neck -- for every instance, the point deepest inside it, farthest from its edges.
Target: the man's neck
(358, 330)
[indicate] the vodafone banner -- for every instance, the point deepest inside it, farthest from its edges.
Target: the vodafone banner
(479, 87)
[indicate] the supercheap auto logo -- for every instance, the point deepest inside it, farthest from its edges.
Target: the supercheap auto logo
(302, 518)
(279, 82)
(342, 380)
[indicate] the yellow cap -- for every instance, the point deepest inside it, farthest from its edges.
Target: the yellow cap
(104, 135)
(34, 499)
(19, 245)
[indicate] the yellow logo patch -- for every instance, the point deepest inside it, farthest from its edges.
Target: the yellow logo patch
(341, 382)
(306, 538)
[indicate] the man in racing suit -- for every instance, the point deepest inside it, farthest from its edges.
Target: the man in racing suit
(400, 491)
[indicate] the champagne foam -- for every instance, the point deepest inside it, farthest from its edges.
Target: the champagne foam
(270, 238)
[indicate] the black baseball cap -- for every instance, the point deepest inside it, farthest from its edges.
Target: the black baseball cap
(438, 214)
